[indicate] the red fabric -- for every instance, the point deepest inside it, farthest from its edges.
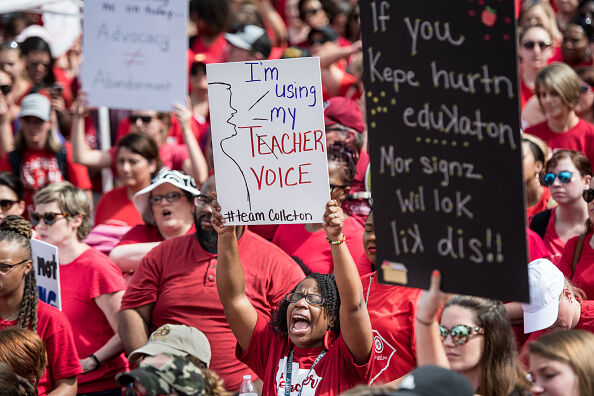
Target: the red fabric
(542, 204)
(392, 310)
(116, 206)
(172, 155)
(578, 138)
(558, 57)
(525, 91)
(314, 250)
(55, 331)
(359, 208)
(335, 373)
(65, 82)
(266, 231)
(536, 247)
(179, 277)
(552, 240)
(143, 233)
(584, 270)
(93, 275)
(346, 82)
(40, 168)
(217, 51)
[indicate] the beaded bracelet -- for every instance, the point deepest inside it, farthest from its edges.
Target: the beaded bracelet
(341, 240)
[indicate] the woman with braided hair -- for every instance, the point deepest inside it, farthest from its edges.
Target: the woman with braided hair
(19, 306)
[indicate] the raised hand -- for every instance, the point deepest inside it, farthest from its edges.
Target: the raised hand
(218, 221)
(333, 221)
(431, 300)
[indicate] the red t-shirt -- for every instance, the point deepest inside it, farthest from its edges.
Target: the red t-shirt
(314, 250)
(216, 52)
(335, 373)
(93, 274)
(543, 204)
(536, 247)
(552, 240)
(115, 207)
(55, 331)
(579, 138)
(40, 168)
(392, 310)
(143, 233)
(526, 92)
(584, 270)
(179, 277)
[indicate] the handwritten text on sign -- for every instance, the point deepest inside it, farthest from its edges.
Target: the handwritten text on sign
(47, 272)
(135, 53)
(442, 111)
(269, 145)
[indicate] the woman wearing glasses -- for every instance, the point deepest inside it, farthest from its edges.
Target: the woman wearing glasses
(567, 174)
(320, 340)
(557, 88)
(12, 195)
(167, 208)
(92, 286)
(20, 307)
(534, 50)
(474, 337)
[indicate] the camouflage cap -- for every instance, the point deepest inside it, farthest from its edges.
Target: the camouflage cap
(166, 374)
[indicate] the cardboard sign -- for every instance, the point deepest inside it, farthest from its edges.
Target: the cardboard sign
(47, 272)
(446, 156)
(135, 53)
(268, 141)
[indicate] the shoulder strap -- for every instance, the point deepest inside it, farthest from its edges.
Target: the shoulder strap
(15, 159)
(61, 158)
(577, 252)
(540, 221)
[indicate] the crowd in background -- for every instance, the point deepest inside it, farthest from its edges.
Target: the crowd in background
(159, 296)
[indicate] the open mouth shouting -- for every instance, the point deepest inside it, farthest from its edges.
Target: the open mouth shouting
(299, 324)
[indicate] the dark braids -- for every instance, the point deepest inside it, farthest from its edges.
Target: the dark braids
(327, 288)
(16, 229)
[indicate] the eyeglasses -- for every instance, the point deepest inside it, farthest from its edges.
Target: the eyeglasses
(335, 186)
(170, 197)
(145, 119)
(6, 204)
(6, 268)
(311, 11)
(460, 333)
(49, 218)
(549, 178)
(37, 63)
(531, 44)
(5, 89)
(588, 195)
(314, 299)
(203, 200)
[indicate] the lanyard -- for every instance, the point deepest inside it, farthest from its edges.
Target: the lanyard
(290, 371)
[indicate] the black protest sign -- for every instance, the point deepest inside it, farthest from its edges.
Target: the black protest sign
(444, 131)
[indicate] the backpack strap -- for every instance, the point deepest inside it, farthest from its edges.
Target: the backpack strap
(540, 221)
(15, 159)
(577, 252)
(61, 158)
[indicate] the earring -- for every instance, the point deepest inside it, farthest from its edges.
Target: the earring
(329, 338)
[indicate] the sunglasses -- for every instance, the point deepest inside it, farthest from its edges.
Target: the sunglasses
(583, 89)
(145, 119)
(6, 204)
(588, 195)
(49, 218)
(314, 299)
(549, 178)
(531, 44)
(460, 333)
(169, 197)
(5, 89)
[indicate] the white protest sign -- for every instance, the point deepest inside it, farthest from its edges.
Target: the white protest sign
(268, 140)
(134, 53)
(47, 272)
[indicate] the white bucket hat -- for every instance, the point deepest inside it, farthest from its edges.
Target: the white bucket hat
(546, 285)
(175, 178)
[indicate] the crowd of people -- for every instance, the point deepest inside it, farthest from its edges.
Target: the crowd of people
(160, 297)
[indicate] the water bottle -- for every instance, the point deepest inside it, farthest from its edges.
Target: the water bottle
(247, 387)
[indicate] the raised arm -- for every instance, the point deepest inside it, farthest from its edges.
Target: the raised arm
(241, 314)
(428, 343)
(196, 165)
(81, 152)
(6, 136)
(355, 325)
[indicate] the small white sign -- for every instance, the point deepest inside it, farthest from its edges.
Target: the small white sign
(135, 53)
(268, 140)
(47, 272)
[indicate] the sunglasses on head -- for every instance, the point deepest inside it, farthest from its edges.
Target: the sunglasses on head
(531, 44)
(460, 333)
(588, 195)
(5, 89)
(49, 218)
(145, 119)
(549, 178)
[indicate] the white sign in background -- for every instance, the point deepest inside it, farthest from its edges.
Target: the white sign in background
(134, 53)
(268, 140)
(47, 272)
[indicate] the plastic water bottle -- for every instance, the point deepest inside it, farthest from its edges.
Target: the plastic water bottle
(247, 387)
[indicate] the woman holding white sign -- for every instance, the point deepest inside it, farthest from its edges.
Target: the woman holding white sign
(91, 286)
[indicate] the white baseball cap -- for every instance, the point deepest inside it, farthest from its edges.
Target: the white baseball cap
(36, 105)
(546, 285)
(175, 178)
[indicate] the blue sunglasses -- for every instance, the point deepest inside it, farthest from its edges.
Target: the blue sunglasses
(549, 178)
